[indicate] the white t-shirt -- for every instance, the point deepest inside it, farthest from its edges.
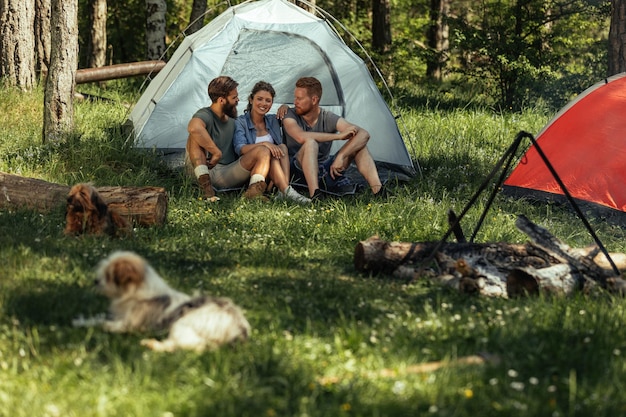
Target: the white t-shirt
(266, 138)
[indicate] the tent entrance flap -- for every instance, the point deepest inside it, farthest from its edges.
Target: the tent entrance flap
(277, 54)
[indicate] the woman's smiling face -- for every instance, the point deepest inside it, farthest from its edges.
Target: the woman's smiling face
(262, 102)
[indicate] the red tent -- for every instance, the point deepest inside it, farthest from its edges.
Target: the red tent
(586, 145)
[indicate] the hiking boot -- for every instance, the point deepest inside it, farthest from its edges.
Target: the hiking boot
(255, 191)
(293, 195)
(204, 181)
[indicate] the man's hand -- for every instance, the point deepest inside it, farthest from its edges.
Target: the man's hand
(348, 133)
(337, 167)
(215, 158)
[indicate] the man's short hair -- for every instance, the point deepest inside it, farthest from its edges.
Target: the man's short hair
(312, 85)
(221, 87)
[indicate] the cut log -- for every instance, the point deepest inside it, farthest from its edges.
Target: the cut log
(142, 206)
(545, 265)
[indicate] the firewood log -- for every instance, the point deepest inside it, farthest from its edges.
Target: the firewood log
(543, 265)
(142, 206)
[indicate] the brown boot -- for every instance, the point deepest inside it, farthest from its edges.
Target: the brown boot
(205, 185)
(255, 191)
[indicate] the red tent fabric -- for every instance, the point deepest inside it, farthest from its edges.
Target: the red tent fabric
(586, 144)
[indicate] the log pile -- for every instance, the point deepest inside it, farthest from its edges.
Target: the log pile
(543, 265)
(142, 206)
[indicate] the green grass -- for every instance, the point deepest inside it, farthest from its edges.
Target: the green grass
(327, 340)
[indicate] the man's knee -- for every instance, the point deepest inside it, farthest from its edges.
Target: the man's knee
(310, 146)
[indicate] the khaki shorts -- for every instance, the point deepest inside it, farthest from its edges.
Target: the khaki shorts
(223, 176)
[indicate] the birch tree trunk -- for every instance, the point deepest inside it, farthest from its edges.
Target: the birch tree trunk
(17, 42)
(617, 38)
(155, 28)
(59, 93)
(196, 22)
(98, 44)
(42, 37)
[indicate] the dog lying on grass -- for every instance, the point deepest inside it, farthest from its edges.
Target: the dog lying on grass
(142, 301)
(87, 213)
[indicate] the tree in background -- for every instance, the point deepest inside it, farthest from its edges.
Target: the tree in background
(438, 37)
(155, 28)
(58, 115)
(520, 48)
(196, 20)
(17, 43)
(42, 37)
(381, 26)
(97, 52)
(617, 37)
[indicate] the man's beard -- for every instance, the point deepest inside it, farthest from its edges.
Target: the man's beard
(230, 110)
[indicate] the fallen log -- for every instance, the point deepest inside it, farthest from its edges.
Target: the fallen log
(112, 72)
(141, 206)
(543, 265)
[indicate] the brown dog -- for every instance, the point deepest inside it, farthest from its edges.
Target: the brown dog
(87, 212)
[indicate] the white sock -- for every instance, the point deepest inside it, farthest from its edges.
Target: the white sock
(201, 170)
(256, 178)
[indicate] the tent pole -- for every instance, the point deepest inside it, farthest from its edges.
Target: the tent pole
(573, 203)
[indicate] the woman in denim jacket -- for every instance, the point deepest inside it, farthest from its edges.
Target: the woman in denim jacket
(258, 128)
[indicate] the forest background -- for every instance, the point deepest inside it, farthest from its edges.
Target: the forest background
(508, 54)
(511, 53)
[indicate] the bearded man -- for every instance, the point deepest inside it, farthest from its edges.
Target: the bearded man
(210, 149)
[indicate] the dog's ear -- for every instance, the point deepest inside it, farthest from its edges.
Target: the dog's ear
(99, 203)
(126, 272)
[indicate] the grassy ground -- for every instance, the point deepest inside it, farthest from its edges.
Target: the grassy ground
(327, 341)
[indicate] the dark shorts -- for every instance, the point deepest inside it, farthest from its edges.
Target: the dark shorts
(341, 185)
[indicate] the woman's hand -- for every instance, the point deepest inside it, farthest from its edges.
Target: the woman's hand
(275, 150)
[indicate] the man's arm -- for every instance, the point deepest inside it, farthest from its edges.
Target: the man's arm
(300, 135)
(349, 150)
(199, 135)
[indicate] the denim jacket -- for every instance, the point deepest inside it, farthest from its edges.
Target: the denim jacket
(245, 132)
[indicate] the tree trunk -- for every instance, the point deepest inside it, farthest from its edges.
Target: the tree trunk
(58, 105)
(17, 42)
(617, 38)
(143, 206)
(155, 28)
(381, 26)
(98, 44)
(42, 38)
(196, 20)
(438, 38)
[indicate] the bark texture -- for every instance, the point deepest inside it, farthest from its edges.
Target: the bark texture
(155, 28)
(196, 21)
(58, 105)
(17, 43)
(142, 206)
(617, 37)
(98, 44)
(42, 37)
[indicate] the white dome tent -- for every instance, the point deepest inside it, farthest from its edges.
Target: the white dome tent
(278, 42)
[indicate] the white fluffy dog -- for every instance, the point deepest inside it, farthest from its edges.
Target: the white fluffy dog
(142, 301)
